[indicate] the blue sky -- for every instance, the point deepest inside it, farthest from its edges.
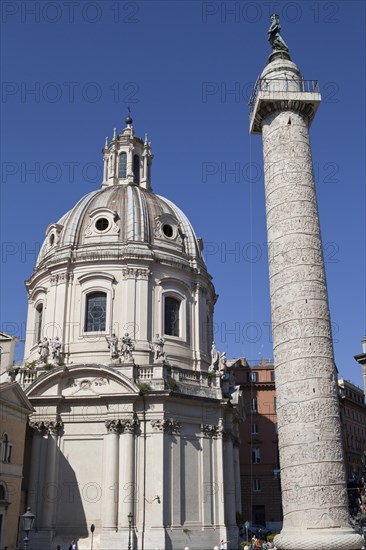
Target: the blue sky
(186, 69)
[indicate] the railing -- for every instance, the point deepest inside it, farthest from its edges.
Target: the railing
(158, 376)
(282, 85)
(145, 373)
(169, 376)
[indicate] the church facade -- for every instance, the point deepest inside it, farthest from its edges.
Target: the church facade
(136, 424)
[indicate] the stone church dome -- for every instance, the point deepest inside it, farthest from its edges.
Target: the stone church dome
(122, 215)
(122, 261)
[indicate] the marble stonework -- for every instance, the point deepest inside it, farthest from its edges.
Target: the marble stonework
(314, 493)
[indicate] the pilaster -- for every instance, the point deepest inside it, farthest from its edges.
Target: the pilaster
(110, 475)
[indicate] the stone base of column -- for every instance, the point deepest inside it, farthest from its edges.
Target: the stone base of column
(319, 539)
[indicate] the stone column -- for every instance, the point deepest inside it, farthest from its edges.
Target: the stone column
(314, 492)
(219, 479)
(229, 480)
(110, 476)
(127, 486)
(50, 489)
(236, 444)
(34, 482)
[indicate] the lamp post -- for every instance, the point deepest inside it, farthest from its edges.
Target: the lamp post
(92, 529)
(28, 519)
(130, 517)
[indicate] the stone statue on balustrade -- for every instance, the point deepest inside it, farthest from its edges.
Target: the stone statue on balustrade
(215, 358)
(127, 347)
(159, 353)
(274, 37)
(57, 349)
(44, 349)
(228, 384)
(112, 342)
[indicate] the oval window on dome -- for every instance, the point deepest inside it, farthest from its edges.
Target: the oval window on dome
(168, 230)
(102, 224)
(52, 239)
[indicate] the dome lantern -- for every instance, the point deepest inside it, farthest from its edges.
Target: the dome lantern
(127, 159)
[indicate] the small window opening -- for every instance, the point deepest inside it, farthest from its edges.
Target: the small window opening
(102, 224)
(136, 169)
(168, 230)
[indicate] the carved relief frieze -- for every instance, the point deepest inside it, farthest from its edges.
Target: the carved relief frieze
(91, 385)
(58, 278)
(135, 273)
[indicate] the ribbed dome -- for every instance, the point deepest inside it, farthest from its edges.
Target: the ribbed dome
(120, 215)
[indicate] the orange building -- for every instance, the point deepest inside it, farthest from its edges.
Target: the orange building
(259, 461)
(14, 411)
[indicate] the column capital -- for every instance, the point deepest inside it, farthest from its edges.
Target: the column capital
(128, 425)
(159, 425)
(112, 426)
(53, 427)
(37, 427)
(174, 426)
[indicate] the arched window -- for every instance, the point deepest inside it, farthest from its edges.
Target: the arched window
(171, 316)
(136, 169)
(38, 323)
(95, 312)
(122, 166)
(3, 492)
(6, 448)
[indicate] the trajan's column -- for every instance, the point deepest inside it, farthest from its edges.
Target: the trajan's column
(314, 493)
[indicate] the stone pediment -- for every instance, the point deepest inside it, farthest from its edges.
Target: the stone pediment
(82, 381)
(11, 395)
